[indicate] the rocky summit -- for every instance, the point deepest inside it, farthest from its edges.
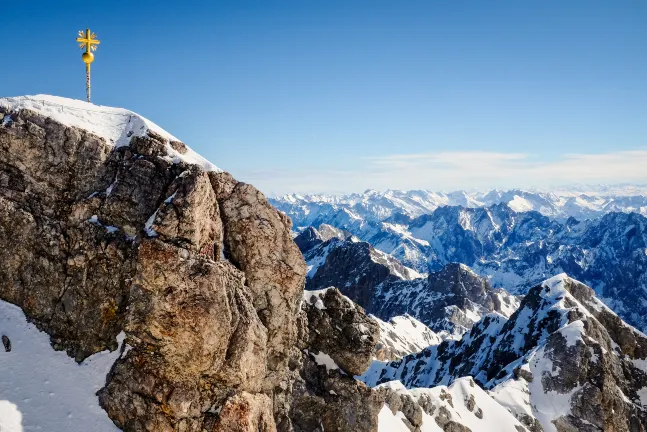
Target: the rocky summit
(114, 235)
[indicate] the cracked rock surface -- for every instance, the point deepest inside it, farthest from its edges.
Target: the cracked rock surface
(196, 268)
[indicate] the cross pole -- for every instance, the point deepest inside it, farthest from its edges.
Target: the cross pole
(88, 41)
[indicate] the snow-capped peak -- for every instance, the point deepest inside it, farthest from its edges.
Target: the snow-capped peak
(116, 125)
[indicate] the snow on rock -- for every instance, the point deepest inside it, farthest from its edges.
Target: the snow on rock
(323, 359)
(116, 125)
(437, 409)
(316, 297)
(43, 389)
(403, 335)
(545, 364)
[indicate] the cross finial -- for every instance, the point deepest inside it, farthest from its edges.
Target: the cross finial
(89, 41)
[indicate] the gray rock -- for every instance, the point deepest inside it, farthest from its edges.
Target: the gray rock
(6, 342)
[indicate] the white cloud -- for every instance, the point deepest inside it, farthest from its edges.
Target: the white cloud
(458, 170)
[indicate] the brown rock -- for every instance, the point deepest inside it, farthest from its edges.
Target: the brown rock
(257, 239)
(246, 413)
(197, 269)
(342, 330)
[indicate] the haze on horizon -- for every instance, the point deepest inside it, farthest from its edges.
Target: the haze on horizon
(344, 96)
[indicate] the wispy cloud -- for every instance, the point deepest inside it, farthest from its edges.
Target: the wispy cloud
(458, 170)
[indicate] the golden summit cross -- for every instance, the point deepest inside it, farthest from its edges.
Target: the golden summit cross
(87, 40)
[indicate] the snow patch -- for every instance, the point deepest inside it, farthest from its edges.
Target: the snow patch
(43, 389)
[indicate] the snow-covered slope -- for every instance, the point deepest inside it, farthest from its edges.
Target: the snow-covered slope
(563, 360)
(444, 408)
(43, 389)
(403, 335)
(116, 125)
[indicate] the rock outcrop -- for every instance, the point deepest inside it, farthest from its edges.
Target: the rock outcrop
(337, 342)
(108, 224)
(449, 301)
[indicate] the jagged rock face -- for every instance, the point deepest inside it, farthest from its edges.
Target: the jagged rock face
(197, 269)
(191, 326)
(257, 239)
(340, 329)
(562, 345)
(332, 401)
(449, 301)
(337, 340)
(53, 257)
(356, 268)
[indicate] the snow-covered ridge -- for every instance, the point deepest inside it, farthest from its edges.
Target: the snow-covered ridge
(544, 363)
(463, 402)
(116, 125)
(403, 335)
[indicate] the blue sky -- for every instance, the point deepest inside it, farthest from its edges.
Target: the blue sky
(339, 96)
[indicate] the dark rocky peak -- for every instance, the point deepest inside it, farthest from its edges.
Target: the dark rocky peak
(311, 237)
(449, 301)
(571, 222)
(460, 280)
(355, 267)
(308, 239)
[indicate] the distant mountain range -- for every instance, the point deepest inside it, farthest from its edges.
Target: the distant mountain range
(514, 250)
(413, 311)
(577, 202)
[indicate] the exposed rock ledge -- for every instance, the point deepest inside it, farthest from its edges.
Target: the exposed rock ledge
(109, 224)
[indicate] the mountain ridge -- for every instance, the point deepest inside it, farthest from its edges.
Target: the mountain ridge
(563, 360)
